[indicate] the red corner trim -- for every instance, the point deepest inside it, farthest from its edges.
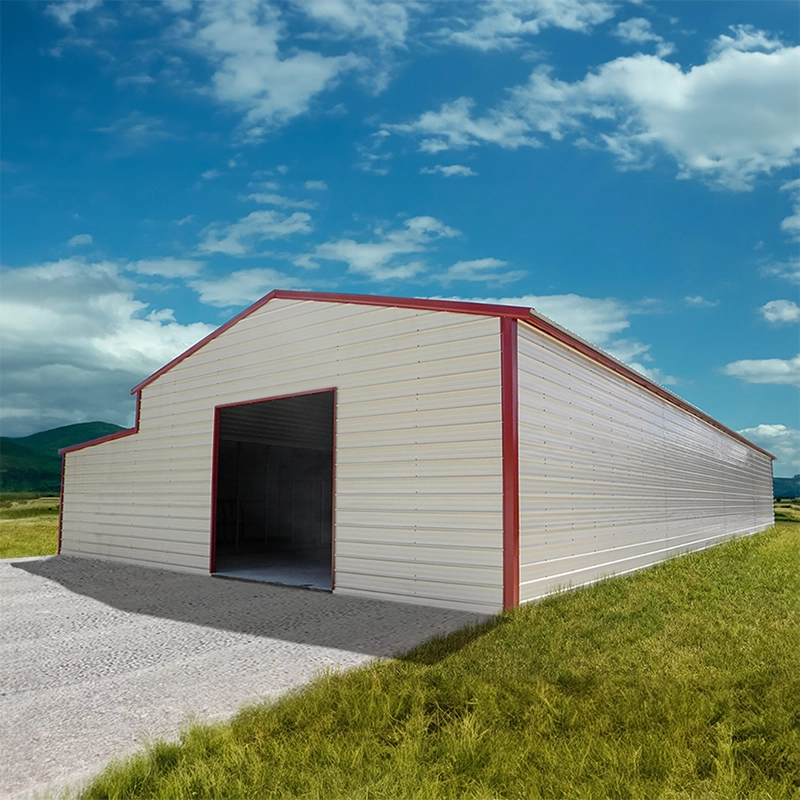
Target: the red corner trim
(510, 416)
(111, 436)
(61, 502)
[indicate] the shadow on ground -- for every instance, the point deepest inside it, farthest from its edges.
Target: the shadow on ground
(360, 625)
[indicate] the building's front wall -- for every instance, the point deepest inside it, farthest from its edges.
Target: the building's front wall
(418, 497)
(614, 478)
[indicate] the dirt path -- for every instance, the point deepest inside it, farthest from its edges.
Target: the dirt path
(97, 657)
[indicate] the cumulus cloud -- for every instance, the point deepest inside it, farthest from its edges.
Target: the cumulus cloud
(242, 287)
(768, 370)
(385, 21)
(788, 270)
(137, 130)
(599, 320)
(239, 238)
(453, 127)
(64, 11)
(486, 270)
(791, 224)
(75, 339)
(450, 171)
(745, 38)
(726, 121)
(504, 24)
(638, 30)
(80, 239)
(242, 42)
(782, 442)
(780, 312)
(387, 256)
(316, 186)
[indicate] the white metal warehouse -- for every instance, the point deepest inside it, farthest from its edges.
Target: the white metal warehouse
(453, 454)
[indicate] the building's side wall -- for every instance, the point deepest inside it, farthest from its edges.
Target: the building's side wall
(614, 478)
(418, 500)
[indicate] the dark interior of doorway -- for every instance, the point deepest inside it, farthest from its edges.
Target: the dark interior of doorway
(274, 510)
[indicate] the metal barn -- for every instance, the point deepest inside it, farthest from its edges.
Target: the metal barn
(453, 454)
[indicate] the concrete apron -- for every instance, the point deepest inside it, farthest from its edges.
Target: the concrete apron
(97, 658)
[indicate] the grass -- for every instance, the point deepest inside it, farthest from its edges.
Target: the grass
(679, 681)
(28, 525)
(787, 510)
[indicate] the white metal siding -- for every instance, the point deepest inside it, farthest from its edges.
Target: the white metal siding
(614, 478)
(418, 505)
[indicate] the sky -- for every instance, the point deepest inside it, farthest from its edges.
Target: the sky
(629, 169)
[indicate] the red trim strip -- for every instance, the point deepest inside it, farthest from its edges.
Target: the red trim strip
(61, 502)
(564, 336)
(212, 550)
(483, 309)
(510, 415)
(212, 561)
(111, 436)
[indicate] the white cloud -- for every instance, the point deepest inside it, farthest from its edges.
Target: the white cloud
(210, 174)
(75, 339)
(137, 130)
(453, 128)
(698, 301)
(782, 442)
(791, 224)
(726, 121)
(242, 287)
(599, 321)
(780, 312)
(788, 270)
(242, 43)
(486, 270)
(383, 20)
(371, 157)
(134, 80)
(80, 239)
(272, 199)
(185, 220)
(638, 30)
(769, 370)
(167, 267)
(450, 171)
(745, 38)
(239, 238)
(503, 24)
(385, 258)
(316, 186)
(65, 10)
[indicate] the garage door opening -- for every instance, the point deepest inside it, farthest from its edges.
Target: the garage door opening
(274, 491)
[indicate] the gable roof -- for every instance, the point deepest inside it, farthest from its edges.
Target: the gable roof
(527, 316)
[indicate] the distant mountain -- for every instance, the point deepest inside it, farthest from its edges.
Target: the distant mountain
(786, 487)
(32, 464)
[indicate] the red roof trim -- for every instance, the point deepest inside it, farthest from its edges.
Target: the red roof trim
(527, 315)
(111, 436)
(590, 351)
(483, 309)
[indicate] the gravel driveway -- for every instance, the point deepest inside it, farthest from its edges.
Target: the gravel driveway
(96, 657)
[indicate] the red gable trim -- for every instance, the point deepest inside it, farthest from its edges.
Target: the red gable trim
(527, 315)
(111, 436)
(482, 309)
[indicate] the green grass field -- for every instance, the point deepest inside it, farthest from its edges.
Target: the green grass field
(680, 681)
(28, 525)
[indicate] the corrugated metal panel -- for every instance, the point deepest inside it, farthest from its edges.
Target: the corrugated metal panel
(418, 452)
(614, 478)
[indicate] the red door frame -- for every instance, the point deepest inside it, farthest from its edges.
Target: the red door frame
(212, 560)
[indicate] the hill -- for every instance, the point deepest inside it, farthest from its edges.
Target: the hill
(32, 464)
(786, 487)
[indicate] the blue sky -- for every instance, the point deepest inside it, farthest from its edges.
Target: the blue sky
(629, 169)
